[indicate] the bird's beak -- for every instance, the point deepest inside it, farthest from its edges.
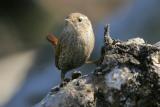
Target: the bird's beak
(68, 20)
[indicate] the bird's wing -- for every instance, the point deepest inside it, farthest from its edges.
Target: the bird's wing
(57, 54)
(53, 39)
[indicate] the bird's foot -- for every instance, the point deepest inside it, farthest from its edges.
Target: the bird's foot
(76, 74)
(64, 82)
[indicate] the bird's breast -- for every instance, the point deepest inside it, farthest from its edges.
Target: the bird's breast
(75, 50)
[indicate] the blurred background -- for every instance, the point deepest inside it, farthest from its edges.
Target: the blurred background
(27, 70)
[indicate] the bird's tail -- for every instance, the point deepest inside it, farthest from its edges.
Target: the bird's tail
(53, 39)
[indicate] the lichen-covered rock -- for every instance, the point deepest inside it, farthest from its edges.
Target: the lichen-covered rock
(78, 93)
(127, 75)
(131, 72)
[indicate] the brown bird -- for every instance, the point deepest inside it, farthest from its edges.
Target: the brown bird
(75, 44)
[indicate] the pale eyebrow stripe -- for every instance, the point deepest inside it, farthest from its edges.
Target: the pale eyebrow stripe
(82, 17)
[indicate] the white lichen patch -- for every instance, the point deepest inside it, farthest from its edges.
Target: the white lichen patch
(155, 57)
(117, 77)
(81, 90)
(135, 41)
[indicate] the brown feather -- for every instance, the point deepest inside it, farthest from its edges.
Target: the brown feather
(53, 39)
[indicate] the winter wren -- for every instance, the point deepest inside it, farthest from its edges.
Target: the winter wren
(75, 44)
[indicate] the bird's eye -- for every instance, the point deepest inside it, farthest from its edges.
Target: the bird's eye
(80, 19)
